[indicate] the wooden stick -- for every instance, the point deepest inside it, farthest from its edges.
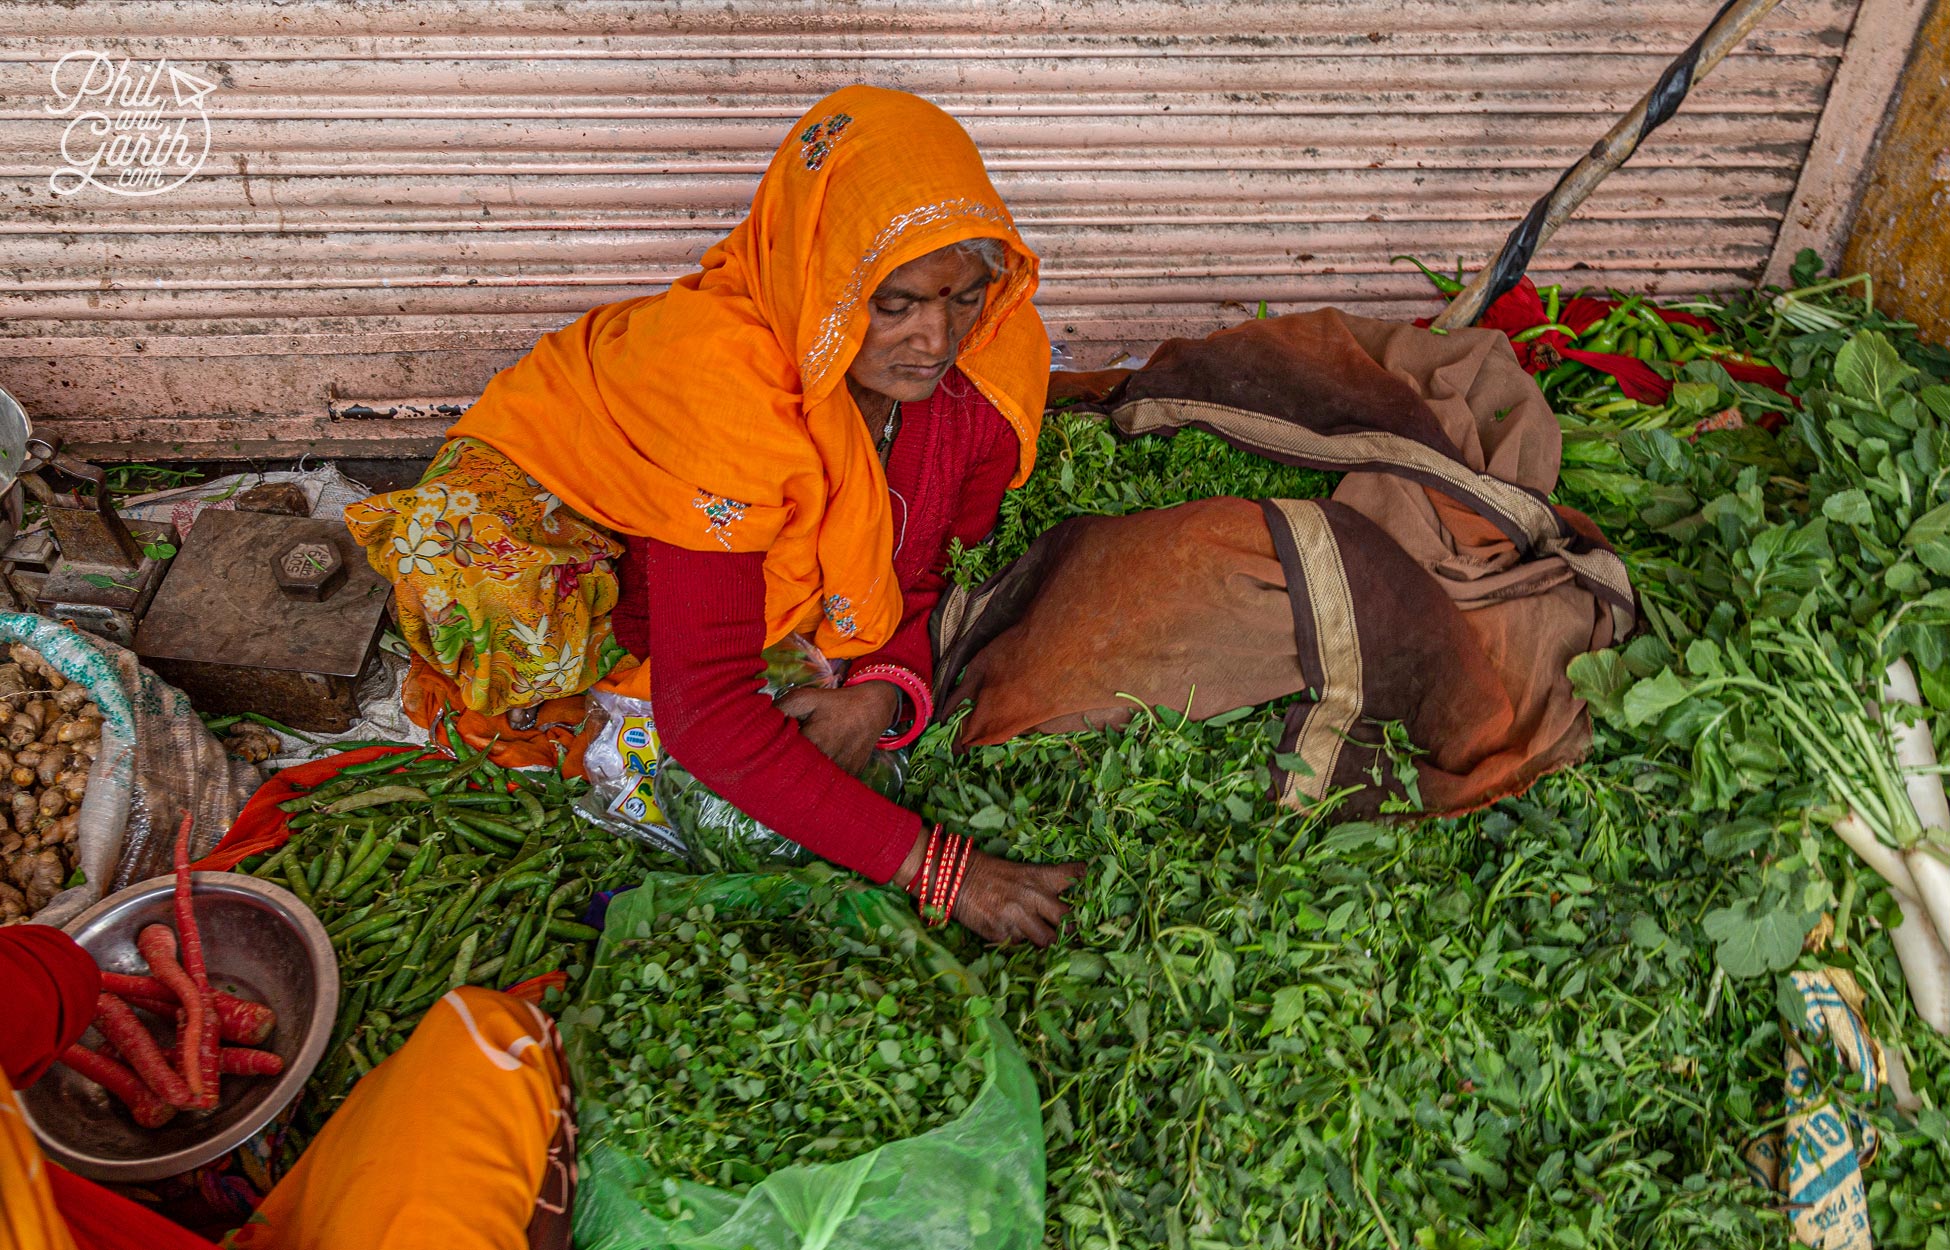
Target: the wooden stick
(1735, 22)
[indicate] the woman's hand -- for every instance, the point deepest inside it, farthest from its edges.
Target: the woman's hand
(846, 723)
(1005, 901)
(1001, 900)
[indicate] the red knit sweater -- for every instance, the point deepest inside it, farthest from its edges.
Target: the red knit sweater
(698, 617)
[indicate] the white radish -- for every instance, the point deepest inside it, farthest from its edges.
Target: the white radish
(1899, 1084)
(1885, 859)
(1926, 965)
(1925, 960)
(1917, 757)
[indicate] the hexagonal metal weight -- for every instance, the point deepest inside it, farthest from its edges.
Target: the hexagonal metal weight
(309, 570)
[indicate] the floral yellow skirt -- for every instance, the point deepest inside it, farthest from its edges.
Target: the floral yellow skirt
(497, 583)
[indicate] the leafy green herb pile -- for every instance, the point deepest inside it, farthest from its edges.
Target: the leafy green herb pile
(1780, 576)
(1083, 469)
(738, 1046)
(431, 873)
(1269, 1030)
(1549, 1023)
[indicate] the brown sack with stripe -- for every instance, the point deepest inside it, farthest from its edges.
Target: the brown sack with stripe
(1438, 587)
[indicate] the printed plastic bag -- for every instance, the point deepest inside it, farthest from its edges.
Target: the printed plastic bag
(622, 762)
(974, 1183)
(156, 762)
(638, 790)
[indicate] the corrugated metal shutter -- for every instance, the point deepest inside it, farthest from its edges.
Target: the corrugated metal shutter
(400, 196)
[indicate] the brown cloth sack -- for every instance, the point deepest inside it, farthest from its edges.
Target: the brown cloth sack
(1437, 588)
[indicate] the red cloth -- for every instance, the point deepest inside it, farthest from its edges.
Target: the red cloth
(950, 465)
(1767, 375)
(261, 825)
(49, 985)
(1522, 307)
(101, 1219)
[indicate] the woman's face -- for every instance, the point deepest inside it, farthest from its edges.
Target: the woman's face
(916, 322)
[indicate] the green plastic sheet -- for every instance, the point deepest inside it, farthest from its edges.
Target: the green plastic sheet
(974, 1183)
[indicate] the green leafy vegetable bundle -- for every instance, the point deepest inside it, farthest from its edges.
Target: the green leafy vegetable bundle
(736, 1045)
(1270, 1030)
(1791, 576)
(784, 1059)
(1083, 469)
(1548, 1023)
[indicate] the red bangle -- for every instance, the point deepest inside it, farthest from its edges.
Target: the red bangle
(961, 871)
(937, 883)
(909, 684)
(918, 886)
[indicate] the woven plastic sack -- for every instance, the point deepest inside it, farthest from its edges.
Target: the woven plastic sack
(974, 1183)
(156, 762)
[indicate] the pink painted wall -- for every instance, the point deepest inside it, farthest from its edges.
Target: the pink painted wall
(400, 197)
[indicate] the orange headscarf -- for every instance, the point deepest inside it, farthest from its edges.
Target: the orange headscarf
(714, 417)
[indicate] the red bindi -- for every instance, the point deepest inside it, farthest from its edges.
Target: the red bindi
(944, 291)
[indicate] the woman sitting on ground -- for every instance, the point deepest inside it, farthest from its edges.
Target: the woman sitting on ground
(786, 443)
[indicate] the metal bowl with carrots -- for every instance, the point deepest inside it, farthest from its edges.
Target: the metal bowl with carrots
(115, 1111)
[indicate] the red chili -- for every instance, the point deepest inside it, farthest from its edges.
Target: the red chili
(120, 1080)
(124, 1032)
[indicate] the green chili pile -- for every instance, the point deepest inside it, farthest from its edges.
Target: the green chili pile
(444, 873)
(738, 1046)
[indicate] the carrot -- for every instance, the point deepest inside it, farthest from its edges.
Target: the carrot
(241, 1061)
(120, 1080)
(208, 1058)
(158, 946)
(124, 986)
(200, 1010)
(190, 935)
(238, 1019)
(241, 1021)
(123, 1031)
(164, 1007)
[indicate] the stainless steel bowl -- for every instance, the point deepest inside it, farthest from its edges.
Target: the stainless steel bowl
(261, 943)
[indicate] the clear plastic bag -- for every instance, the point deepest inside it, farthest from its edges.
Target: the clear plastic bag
(714, 835)
(638, 790)
(974, 1183)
